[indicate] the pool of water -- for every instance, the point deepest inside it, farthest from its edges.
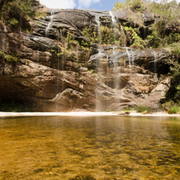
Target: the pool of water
(89, 148)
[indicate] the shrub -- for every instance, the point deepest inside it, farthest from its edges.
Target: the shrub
(143, 108)
(1, 54)
(175, 47)
(117, 6)
(137, 41)
(174, 109)
(13, 22)
(137, 5)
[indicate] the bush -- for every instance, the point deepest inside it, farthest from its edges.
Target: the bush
(174, 109)
(117, 6)
(13, 22)
(137, 5)
(175, 48)
(143, 109)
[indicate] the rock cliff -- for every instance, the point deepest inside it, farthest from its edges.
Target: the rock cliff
(65, 64)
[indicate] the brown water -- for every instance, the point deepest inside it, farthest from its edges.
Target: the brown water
(87, 148)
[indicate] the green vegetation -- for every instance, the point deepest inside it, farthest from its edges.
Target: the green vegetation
(91, 34)
(134, 5)
(9, 57)
(175, 49)
(108, 35)
(69, 38)
(163, 32)
(173, 95)
(143, 109)
(1, 54)
(138, 42)
(16, 13)
(12, 106)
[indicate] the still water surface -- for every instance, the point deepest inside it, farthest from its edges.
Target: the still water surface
(101, 148)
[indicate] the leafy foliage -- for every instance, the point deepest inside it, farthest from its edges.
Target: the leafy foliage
(134, 5)
(108, 35)
(9, 57)
(143, 109)
(118, 6)
(16, 13)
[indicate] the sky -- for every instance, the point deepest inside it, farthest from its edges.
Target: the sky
(80, 4)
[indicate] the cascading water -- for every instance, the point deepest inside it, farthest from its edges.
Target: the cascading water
(116, 71)
(98, 28)
(3, 41)
(58, 64)
(129, 58)
(98, 101)
(115, 25)
(113, 18)
(49, 24)
(123, 36)
(155, 60)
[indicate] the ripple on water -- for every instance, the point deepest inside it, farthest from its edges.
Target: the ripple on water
(89, 148)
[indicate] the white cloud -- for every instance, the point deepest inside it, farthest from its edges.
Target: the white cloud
(59, 4)
(86, 3)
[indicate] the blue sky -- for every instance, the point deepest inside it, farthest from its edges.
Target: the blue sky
(80, 4)
(83, 4)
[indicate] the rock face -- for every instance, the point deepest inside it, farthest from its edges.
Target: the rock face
(57, 68)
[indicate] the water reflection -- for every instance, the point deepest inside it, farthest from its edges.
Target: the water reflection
(90, 147)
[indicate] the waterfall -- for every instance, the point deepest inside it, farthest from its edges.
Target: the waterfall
(49, 24)
(145, 32)
(123, 36)
(115, 69)
(97, 94)
(155, 60)
(114, 23)
(129, 57)
(3, 41)
(116, 72)
(113, 18)
(98, 28)
(115, 26)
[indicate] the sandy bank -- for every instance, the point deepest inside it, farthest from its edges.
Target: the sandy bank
(26, 114)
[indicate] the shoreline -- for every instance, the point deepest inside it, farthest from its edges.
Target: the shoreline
(40, 114)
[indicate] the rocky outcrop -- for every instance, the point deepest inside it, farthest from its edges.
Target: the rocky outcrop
(52, 71)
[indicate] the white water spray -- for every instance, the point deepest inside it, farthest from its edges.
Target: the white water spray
(98, 28)
(155, 61)
(129, 57)
(49, 24)
(113, 18)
